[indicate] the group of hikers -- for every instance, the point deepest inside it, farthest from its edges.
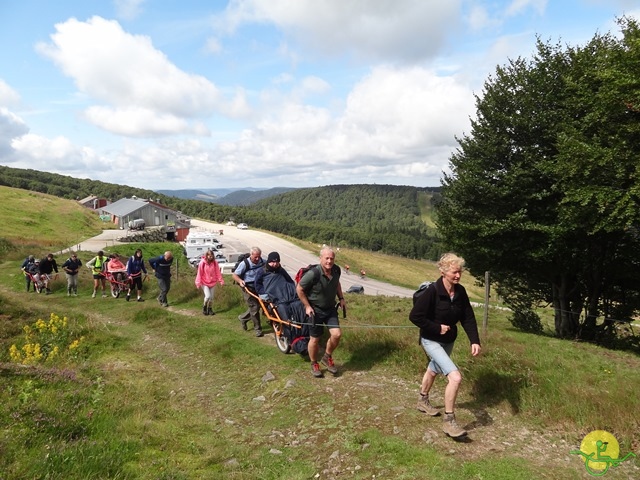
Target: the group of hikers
(38, 272)
(127, 276)
(315, 294)
(437, 311)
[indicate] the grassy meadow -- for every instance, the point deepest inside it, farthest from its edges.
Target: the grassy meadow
(128, 390)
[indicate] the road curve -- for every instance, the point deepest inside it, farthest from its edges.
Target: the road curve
(292, 257)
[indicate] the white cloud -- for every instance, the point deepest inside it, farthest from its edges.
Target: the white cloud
(395, 122)
(388, 30)
(517, 7)
(213, 46)
(128, 74)
(132, 121)
(60, 153)
(128, 9)
(8, 96)
(11, 126)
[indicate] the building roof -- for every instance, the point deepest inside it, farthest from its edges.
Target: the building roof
(88, 199)
(124, 206)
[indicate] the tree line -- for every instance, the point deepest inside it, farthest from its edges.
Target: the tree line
(381, 218)
(544, 191)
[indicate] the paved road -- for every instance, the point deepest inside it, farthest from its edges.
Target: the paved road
(292, 257)
(235, 240)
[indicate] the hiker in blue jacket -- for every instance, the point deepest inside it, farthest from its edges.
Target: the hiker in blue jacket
(245, 276)
(437, 311)
(135, 268)
(162, 268)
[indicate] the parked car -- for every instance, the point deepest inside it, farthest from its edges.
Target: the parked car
(355, 289)
(243, 226)
(220, 258)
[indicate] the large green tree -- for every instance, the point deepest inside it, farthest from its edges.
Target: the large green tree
(544, 191)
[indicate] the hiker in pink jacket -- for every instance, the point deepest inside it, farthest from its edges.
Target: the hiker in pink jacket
(208, 275)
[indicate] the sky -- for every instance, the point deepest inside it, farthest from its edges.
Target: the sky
(195, 94)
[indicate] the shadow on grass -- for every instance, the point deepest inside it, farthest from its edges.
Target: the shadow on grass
(367, 354)
(489, 390)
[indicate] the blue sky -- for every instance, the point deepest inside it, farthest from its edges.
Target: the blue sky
(261, 93)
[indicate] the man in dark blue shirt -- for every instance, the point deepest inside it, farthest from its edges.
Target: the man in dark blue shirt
(71, 267)
(162, 268)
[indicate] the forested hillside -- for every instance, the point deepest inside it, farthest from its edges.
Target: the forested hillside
(376, 217)
(69, 187)
(386, 218)
(247, 197)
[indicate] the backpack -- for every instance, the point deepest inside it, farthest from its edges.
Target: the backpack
(300, 344)
(242, 258)
(303, 270)
(422, 289)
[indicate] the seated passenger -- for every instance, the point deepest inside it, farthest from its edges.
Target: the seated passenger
(273, 283)
(116, 268)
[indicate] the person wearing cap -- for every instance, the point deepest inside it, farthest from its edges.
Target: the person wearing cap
(30, 270)
(272, 267)
(47, 266)
(274, 284)
(207, 276)
(71, 268)
(245, 276)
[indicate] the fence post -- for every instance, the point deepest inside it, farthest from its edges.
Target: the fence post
(485, 319)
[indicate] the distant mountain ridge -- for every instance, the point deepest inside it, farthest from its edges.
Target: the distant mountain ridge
(227, 196)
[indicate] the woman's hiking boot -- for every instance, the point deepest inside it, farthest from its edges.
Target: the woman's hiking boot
(211, 312)
(450, 427)
(205, 310)
(425, 406)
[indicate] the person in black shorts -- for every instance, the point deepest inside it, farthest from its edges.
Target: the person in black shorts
(317, 290)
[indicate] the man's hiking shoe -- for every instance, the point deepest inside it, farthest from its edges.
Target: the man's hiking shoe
(259, 333)
(243, 322)
(205, 310)
(93, 295)
(128, 297)
(450, 427)
(140, 299)
(425, 406)
(315, 370)
(327, 361)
